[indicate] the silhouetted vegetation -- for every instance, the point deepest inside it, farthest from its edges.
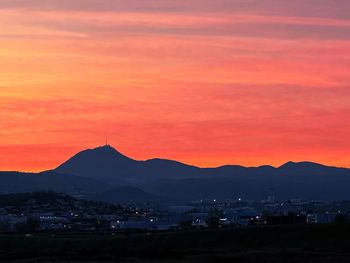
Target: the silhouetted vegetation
(28, 227)
(341, 218)
(186, 225)
(214, 216)
(294, 243)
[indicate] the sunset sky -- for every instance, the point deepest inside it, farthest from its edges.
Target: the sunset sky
(205, 82)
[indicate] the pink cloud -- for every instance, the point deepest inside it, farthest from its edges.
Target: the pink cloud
(204, 82)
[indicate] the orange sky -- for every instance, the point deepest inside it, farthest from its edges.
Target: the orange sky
(206, 82)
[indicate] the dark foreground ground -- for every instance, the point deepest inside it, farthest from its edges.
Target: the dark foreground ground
(296, 243)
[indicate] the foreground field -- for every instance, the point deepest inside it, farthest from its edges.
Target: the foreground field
(297, 243)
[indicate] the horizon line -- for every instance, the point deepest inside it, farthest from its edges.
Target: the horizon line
(167, 159)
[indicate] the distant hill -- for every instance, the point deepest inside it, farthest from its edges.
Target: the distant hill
(40, 198)
(107, 164)
(104, 172)
(16, 182)
(48, 201)
(309, 168)
(102, 163)
(129, 194)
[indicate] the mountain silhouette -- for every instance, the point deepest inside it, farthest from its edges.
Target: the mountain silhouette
(107, 164)
(106, 174)
(309, 168)
(102, 163)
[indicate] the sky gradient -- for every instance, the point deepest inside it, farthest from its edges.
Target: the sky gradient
(206, 82)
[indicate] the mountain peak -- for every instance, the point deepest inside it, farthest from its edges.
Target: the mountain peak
(106, 147)
(103, 161)
(287, 164)
(105, 150)
(301, 165)
(309, 168)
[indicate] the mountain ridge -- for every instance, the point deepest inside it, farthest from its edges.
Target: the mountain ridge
(95, 171)
(116, 156)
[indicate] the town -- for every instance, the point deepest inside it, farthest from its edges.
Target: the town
(51, 212)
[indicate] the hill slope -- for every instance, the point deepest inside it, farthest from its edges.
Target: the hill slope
(128, 195)
(102, 169)
(16, 182)
(107, 164)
